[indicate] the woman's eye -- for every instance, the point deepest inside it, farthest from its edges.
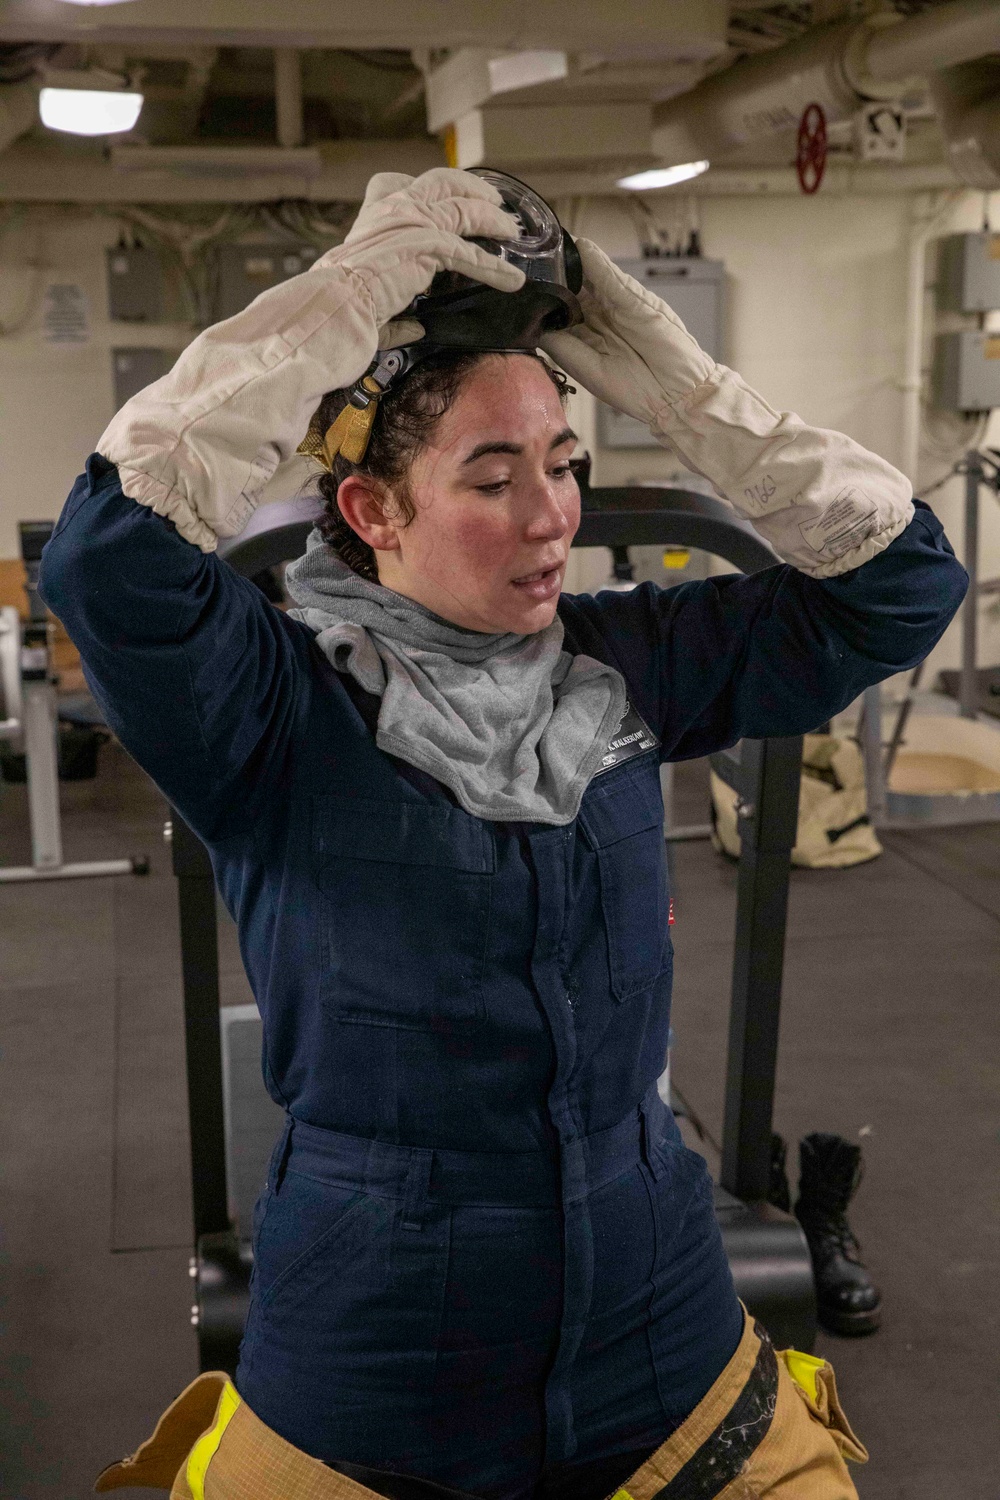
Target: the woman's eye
(562, 470)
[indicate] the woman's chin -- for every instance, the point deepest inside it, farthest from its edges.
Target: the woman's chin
(532, 616)
(510, 611)
(533, 603)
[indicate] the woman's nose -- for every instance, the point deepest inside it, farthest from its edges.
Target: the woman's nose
(550, 507)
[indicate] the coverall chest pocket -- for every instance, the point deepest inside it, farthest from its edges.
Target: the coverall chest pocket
(405, 926)
(622, 820)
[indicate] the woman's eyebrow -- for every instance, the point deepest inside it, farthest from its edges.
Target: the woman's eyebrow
(483, 448)
(566, 436)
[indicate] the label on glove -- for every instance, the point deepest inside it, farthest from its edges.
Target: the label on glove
(632, 737)
(842, 526)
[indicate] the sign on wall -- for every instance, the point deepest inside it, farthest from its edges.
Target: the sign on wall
(65, 318)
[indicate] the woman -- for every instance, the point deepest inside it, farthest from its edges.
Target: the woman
(483, 1258)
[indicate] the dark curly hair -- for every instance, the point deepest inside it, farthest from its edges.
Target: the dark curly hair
(404, 423)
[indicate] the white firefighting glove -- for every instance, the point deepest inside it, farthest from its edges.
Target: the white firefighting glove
(824, 503)
(199, 445)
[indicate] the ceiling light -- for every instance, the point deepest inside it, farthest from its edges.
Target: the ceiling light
(661, 177)
(88, 101)
(89, 111)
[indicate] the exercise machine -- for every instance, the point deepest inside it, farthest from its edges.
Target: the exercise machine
(766, 1248)
(976, 688)
(974, 735)
(29, 723)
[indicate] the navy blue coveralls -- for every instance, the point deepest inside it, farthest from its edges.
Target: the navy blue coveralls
(482, 1250)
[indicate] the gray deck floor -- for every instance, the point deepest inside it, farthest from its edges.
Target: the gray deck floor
(890, 1025)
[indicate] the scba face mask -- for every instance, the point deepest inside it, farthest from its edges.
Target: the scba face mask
(457, 312)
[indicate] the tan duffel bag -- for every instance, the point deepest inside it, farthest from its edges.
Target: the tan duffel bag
(834, 830)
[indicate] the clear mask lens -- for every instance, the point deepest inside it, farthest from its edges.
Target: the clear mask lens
(461, 313)
(539, 250)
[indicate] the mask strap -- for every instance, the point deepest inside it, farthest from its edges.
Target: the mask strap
(351, 431)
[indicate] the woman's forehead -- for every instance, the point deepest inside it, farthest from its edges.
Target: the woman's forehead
(506, 396)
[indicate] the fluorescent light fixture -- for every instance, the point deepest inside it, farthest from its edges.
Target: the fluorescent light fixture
(89, 111)
(88, 101)
(661, 177)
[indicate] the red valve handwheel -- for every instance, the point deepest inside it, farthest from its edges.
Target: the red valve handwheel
(810, 158)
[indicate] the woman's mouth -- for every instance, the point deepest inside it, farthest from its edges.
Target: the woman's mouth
(541, 585)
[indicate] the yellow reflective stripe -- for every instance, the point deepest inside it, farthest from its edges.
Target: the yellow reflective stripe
(204, 1450)
(621, 1495)
(803, 1369)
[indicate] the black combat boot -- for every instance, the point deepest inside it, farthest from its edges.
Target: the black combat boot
(831, 1170)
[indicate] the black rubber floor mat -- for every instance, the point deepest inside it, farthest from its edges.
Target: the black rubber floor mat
(966, 859)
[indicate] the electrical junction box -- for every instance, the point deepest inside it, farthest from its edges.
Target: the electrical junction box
(968, 278)
(693, 287)
(133, 369)
(966, 372)
(244, 271)
(880, 132)
(136, 285)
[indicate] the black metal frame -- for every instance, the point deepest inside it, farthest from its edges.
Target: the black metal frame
(635, 516)
(202, 1037)
(765, 775)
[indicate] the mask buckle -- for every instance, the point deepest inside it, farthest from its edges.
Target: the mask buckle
(351, 432)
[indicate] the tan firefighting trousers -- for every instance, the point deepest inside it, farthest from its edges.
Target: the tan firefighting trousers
(770, 1428)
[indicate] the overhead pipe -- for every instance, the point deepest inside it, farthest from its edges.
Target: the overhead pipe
(937, 39)
(837, 66)
(756, 98)
(923, 227)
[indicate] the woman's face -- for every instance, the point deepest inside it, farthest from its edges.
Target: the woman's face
(497, 505)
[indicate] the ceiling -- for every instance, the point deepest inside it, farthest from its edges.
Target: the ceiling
(207, 71)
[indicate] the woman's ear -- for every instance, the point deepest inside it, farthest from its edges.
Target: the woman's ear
(362, 504)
